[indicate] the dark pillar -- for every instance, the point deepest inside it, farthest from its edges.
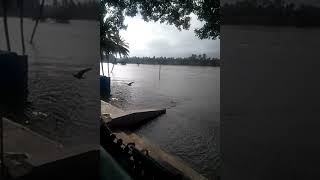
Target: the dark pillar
(104, 86)
(13, 78)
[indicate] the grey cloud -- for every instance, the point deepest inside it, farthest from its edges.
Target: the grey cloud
(170, 42)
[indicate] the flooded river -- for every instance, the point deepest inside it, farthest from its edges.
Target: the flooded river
(191, 94)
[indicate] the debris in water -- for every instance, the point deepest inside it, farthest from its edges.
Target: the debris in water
(39, 114)
(114, 99)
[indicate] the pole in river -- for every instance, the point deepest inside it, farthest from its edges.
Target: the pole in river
(159, 70)
(37, 21)
(21, 5)
(5, 22)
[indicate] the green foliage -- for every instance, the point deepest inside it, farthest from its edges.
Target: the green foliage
(193, 60)
(270, 13)
(111, 21)
(173, 12)
(209, 12)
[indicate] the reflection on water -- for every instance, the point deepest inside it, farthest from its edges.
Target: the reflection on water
(190, 128)
(61, 107)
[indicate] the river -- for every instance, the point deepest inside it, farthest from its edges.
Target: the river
(191, 94)
(62, 107)
(67, 110)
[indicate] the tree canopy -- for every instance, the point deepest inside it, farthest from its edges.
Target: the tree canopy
(173, 12)
(110, 24)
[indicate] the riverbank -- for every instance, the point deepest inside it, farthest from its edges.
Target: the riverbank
(194, 60)
(112, 113)
(191, 95)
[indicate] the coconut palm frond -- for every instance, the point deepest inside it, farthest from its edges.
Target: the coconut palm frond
(111, 42)
(122, 47)
(114, 45)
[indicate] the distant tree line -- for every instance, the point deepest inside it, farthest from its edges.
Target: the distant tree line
(29, 8)
(69, 9)
(63, 9)
(193, 60)
(270, 12)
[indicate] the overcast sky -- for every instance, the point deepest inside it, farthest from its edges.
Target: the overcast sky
(155, 39)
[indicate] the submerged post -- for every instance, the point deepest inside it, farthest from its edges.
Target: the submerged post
(5, 8)
(37, 21)
(159, 70)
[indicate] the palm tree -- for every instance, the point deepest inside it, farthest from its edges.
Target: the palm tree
(37, 21)
(116, 46)
(4, 4)
(110, 40)
(21, 6)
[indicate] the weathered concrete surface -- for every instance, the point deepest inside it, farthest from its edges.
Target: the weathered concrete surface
(117, 118)
(37, 150)
(158, 154)
(110, 112)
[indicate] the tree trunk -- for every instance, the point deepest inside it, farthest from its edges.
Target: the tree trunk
(108, 64)
(101, 62)
(5, 8)
(21, 26)
(37, 21)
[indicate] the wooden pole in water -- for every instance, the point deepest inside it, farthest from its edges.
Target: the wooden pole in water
(159, 70)
(21, 5)
(37, 21)
(5, 22)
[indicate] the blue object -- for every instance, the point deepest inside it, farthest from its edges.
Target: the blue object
(105, 86)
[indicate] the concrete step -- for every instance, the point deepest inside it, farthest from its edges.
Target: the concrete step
(119, 119)
(36, 149)
(160, 155)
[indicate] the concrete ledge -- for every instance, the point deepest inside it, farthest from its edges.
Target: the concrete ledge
(119, 119)
(39, 150)
(137, 118)
(161, 156)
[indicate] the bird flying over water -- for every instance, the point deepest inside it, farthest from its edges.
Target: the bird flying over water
(129, 84)
(80, 74)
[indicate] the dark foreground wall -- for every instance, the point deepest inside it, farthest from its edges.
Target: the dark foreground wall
(83, 166)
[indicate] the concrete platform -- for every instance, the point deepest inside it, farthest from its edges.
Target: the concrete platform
(117, 118)
(34, 150)
(160, 155)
